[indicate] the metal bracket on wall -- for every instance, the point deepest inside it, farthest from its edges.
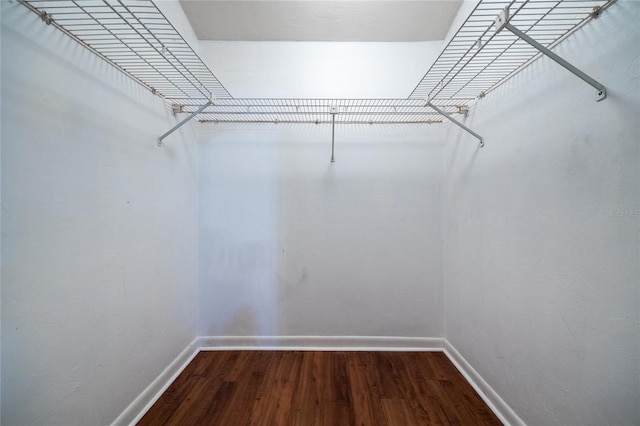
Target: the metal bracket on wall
(183, 122)
(456, 122)
(502, 21)
(334, 111)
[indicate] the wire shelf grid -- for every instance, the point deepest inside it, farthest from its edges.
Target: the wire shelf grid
(136, 37)
(477, 59)
(347, 111)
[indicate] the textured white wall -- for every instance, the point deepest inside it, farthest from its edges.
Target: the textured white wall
(291, 244)
(541, 233)
(99, 231)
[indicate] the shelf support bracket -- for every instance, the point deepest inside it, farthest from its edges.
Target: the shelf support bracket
(183, 122)
(333, 132)
(456, 122)
(502, 21)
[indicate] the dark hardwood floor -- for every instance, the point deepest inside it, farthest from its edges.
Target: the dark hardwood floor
(319, 388)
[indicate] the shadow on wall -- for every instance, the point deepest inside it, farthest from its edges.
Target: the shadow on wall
(238, 222)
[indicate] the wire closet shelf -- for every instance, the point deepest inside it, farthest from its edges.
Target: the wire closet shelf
(479, 58)
(136, 37)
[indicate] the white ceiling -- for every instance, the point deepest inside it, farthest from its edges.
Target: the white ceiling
(313, 20)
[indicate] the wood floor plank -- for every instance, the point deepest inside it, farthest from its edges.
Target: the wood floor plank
(336, 393)
(176, 394)
(364, 394)
(269, 395)
(276, 388)
(399, 412)
(287, 379)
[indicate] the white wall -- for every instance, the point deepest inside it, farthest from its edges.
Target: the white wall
(368, 70)
(291, 244)
(0, 225)
(99, 246)
(319, 69)
(541, 233)
(100, 227)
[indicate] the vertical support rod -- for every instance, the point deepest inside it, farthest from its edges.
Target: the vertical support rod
(180, 124)
(457, 123)
(601, 90)
(333, 136)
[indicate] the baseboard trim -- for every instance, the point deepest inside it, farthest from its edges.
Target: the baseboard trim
(139, 407)
(486, 392)
(321, 343)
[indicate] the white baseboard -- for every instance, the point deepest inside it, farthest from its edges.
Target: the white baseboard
(138, 408)
(321, 343)
(486, 392)
(134, 412)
